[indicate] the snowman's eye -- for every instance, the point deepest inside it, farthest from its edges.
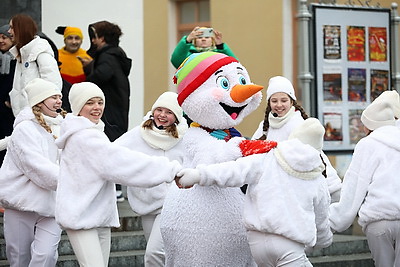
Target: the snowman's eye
(242, 80)
(223, 82)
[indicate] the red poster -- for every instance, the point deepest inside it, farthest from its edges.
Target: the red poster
(355, 43)
(377, 39)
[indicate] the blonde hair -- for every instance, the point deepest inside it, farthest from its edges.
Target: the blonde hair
(39, 117)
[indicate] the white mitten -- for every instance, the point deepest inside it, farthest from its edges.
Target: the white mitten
(188, 177)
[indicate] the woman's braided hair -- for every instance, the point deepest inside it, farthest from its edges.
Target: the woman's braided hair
(39, 117)
(268, 110)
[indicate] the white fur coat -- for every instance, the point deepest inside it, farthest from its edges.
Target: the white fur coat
(90, 166)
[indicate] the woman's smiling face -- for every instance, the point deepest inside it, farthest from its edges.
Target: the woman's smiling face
(163, 117)
(93, 109)
(280, 103)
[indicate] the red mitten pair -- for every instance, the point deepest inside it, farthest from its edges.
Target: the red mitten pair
(250, 147)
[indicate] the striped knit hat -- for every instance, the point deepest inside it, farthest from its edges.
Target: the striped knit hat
(196, 69)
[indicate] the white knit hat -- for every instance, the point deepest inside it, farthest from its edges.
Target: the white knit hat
(169, 100)
(378, 114)
(393, 99)
(279, 84)
(39, 89)
(80, 93)
(310, 132)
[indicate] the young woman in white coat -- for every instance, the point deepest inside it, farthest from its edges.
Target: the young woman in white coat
(89, 168)
(371, 185)
(159, 134)
(282, 115)
(35, 59)
(287, 200)
(28, 179)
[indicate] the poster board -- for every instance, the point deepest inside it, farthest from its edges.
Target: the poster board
(351, 66)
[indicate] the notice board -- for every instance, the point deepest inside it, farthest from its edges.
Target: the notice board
(351, 58)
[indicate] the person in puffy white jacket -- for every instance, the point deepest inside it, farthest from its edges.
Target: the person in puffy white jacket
(35, 59)
(89, 168)
(287, 201)
(28, 180)
(159, 134)
(282, 115)
(371, 184)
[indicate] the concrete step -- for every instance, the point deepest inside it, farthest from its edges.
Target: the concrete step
(354, 260)
(117, 259)
(128, 246)
(345, 251)
(127, 243)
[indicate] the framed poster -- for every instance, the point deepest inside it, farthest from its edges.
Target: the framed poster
(351, 55)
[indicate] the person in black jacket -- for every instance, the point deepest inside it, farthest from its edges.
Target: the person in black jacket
(109, 70)
(7, 68)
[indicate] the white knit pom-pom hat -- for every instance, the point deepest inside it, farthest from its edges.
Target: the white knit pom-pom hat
(310, 132)
(279, 84)
(80, 93)
(378, 114)
(39, 89)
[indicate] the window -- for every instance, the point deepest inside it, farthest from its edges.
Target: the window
(192, 13)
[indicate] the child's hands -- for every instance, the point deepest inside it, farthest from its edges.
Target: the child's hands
(250, 147)
(186, 178)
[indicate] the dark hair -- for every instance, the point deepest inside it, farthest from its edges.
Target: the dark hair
(268, 110)
(110, 31)
(25, 29)
(323, 162)
(172, 129)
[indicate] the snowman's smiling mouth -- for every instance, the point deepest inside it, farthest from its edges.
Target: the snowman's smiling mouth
(232, 111)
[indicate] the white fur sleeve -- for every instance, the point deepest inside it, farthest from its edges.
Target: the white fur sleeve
(4, 142)
(233, 173)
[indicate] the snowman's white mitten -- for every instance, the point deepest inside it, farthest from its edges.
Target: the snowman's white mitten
(188, 177)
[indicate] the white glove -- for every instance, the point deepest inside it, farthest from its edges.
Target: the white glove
(188, 177)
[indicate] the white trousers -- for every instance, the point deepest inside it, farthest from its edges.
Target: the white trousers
(384, 242)
(31, 239)
(271, 250)
(154, 255)
(92, 246)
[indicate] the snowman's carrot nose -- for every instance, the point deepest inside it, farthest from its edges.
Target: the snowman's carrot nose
(239, 93)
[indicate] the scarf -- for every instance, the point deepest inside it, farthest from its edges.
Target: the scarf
(54, 124)
(160, 139)
(220, 134)
(99, 126)
(278, 122)
(205, 49)
(5, 61)
(307, 175)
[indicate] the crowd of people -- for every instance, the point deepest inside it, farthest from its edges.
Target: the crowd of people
(66, 150)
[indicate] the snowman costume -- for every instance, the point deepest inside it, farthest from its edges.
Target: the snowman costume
(203, 226)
